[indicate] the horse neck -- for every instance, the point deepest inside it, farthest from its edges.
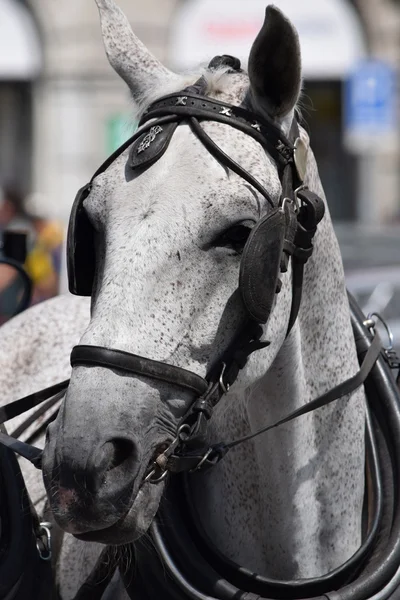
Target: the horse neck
(288, 504)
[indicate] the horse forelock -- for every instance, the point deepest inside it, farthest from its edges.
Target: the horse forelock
(220, 83)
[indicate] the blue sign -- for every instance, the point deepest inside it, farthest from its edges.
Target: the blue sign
(370, 107)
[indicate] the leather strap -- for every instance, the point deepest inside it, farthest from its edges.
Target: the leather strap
(208, 457)
(310, 215)
(31, 453)
(14, 409)
(185, 105)
(91, 356)
(36, 415)
(226, 160)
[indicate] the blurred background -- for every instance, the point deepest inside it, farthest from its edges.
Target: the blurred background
(63, 110)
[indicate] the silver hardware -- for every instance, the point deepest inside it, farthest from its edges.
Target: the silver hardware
(161, 462)
(371, 324)
(256, 126)
(202, 461)
(149, 138)
(181, 101)
(296, 197)
(285, 201)
(43, 542)
(182, 429)
(300, 158)
(149, 478)
(224, 388)
(295, 201)
(225, 110)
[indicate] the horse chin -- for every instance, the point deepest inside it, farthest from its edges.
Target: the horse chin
(133, 524)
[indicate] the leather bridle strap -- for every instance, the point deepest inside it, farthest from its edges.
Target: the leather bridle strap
(226, 160)
(31, 453)
(14, 409)
(185, 105)
(97, 356)
(208, 457)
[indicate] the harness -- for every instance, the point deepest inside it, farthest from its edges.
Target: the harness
(284, 233)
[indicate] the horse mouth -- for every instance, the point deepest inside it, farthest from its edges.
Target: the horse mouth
(133, 524)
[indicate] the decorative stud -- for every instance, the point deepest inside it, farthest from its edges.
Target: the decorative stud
(181, 101)
(256, 126)
(225, 110)
(149, 138)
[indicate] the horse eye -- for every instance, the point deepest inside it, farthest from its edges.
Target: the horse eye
(235, 237)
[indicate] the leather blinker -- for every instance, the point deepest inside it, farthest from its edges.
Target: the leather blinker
(260, 265)
(81, 257)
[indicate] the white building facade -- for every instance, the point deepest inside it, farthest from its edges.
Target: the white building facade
(63, 110)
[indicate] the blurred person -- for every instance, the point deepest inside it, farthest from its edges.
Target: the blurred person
(13, 216)
(43, 263)
(15, 284)
(44, 242)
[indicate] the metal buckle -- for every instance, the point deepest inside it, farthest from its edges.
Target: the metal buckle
(202, 461)
(150, 477)
(160, 465)
(43, 541)
(296, 202)
(389, 352)
(371, 324)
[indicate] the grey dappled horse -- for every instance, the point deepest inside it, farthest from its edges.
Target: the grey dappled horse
(289, 503)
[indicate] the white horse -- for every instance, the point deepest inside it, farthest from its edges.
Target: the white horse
(287, 504)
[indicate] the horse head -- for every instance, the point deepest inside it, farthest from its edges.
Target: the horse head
(169, 235)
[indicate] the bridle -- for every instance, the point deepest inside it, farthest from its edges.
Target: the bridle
(286, 233)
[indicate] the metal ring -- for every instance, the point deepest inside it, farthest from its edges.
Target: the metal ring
(202, 461)
(182, 429)
(148, 478)
(371, 325)
(224, 388)
(44, 531)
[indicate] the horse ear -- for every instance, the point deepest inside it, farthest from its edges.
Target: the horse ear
(126, 53)
(275, 65)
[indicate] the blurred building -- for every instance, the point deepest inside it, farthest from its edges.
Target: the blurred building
(63, 110)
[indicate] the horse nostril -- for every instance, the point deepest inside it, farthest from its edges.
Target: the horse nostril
(122, 451)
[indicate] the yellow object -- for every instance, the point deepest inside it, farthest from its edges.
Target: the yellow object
(39, 265)
(39, 262)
